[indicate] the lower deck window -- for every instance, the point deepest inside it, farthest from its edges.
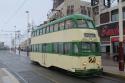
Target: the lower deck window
(67, 48)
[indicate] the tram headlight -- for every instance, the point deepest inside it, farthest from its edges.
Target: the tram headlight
(84, 63)
(98, 63)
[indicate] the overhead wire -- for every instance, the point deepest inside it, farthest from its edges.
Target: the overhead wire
(15, 12)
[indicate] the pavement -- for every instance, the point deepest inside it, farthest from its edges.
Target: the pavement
(111, 67)
(7, 77)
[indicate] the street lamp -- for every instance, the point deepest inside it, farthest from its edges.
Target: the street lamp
(28, 30)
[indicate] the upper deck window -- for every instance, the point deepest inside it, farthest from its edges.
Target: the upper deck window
(82, 23)
(90, 24)
(68, 24)
(62, 25)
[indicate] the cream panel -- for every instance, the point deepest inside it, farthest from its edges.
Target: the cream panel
(69, 63)
(65, 36)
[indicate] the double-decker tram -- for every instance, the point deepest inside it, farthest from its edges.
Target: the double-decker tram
(70, 43)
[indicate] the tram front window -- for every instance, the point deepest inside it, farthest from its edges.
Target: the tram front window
(81, 23)
(86, 47)
(90, 24)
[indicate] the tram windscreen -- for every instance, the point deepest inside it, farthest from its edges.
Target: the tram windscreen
(85, 23)
(86, 47)
(81, 23)
(90, 24)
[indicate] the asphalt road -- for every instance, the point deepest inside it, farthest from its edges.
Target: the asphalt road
(26, 72)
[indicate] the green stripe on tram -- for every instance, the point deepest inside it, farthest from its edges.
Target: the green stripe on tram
(68, 48)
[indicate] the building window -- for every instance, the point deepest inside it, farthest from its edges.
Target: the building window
(70, 10)
(89, 11)
(124, 13)
(104, 18)
(96, 10)
(83, 10)
(114, 15)
(94, 2)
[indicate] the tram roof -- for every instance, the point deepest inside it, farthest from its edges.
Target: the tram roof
(69, 17)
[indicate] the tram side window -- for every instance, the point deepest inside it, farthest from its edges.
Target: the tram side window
(36, 47)
(68, 24)
(90, 24)
(81, 23)
(61, 50)
(76, 49)
(47, 29)
(62, 25)
(41, 31)
(37, 32)
(56, 27)
(40, 47)
(55, 48)
(44, 47)
(67, 48)
(51, 28)
(44, 30)
(49, 48)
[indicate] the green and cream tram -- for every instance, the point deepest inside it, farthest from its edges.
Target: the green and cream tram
(71, 43)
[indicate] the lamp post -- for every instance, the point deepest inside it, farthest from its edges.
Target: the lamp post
(121, 53)
(28, 30)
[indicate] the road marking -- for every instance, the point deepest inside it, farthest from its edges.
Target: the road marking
(21, 77)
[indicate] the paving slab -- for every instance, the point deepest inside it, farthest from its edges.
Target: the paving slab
(7, 77)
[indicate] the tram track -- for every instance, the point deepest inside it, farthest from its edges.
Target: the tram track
(107, 78)
(110, 78)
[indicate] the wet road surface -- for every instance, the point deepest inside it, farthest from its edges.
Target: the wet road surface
(26, 72)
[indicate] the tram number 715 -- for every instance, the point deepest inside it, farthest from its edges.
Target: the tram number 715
(92, 60)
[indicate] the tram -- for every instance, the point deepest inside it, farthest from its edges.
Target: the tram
(70, 43)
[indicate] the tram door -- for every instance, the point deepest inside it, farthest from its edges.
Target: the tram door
(43, 58)
(44, 54)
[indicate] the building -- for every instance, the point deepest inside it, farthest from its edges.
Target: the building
(106, 18)
(67, 7)
(25, 44)
(1, 45)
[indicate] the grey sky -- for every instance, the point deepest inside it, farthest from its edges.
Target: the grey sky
(13, 14)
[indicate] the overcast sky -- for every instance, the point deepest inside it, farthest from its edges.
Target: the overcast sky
(13, 14)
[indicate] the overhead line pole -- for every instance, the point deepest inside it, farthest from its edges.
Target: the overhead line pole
(121, 53)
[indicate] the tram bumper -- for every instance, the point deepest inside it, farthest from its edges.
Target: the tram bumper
(88, 72)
